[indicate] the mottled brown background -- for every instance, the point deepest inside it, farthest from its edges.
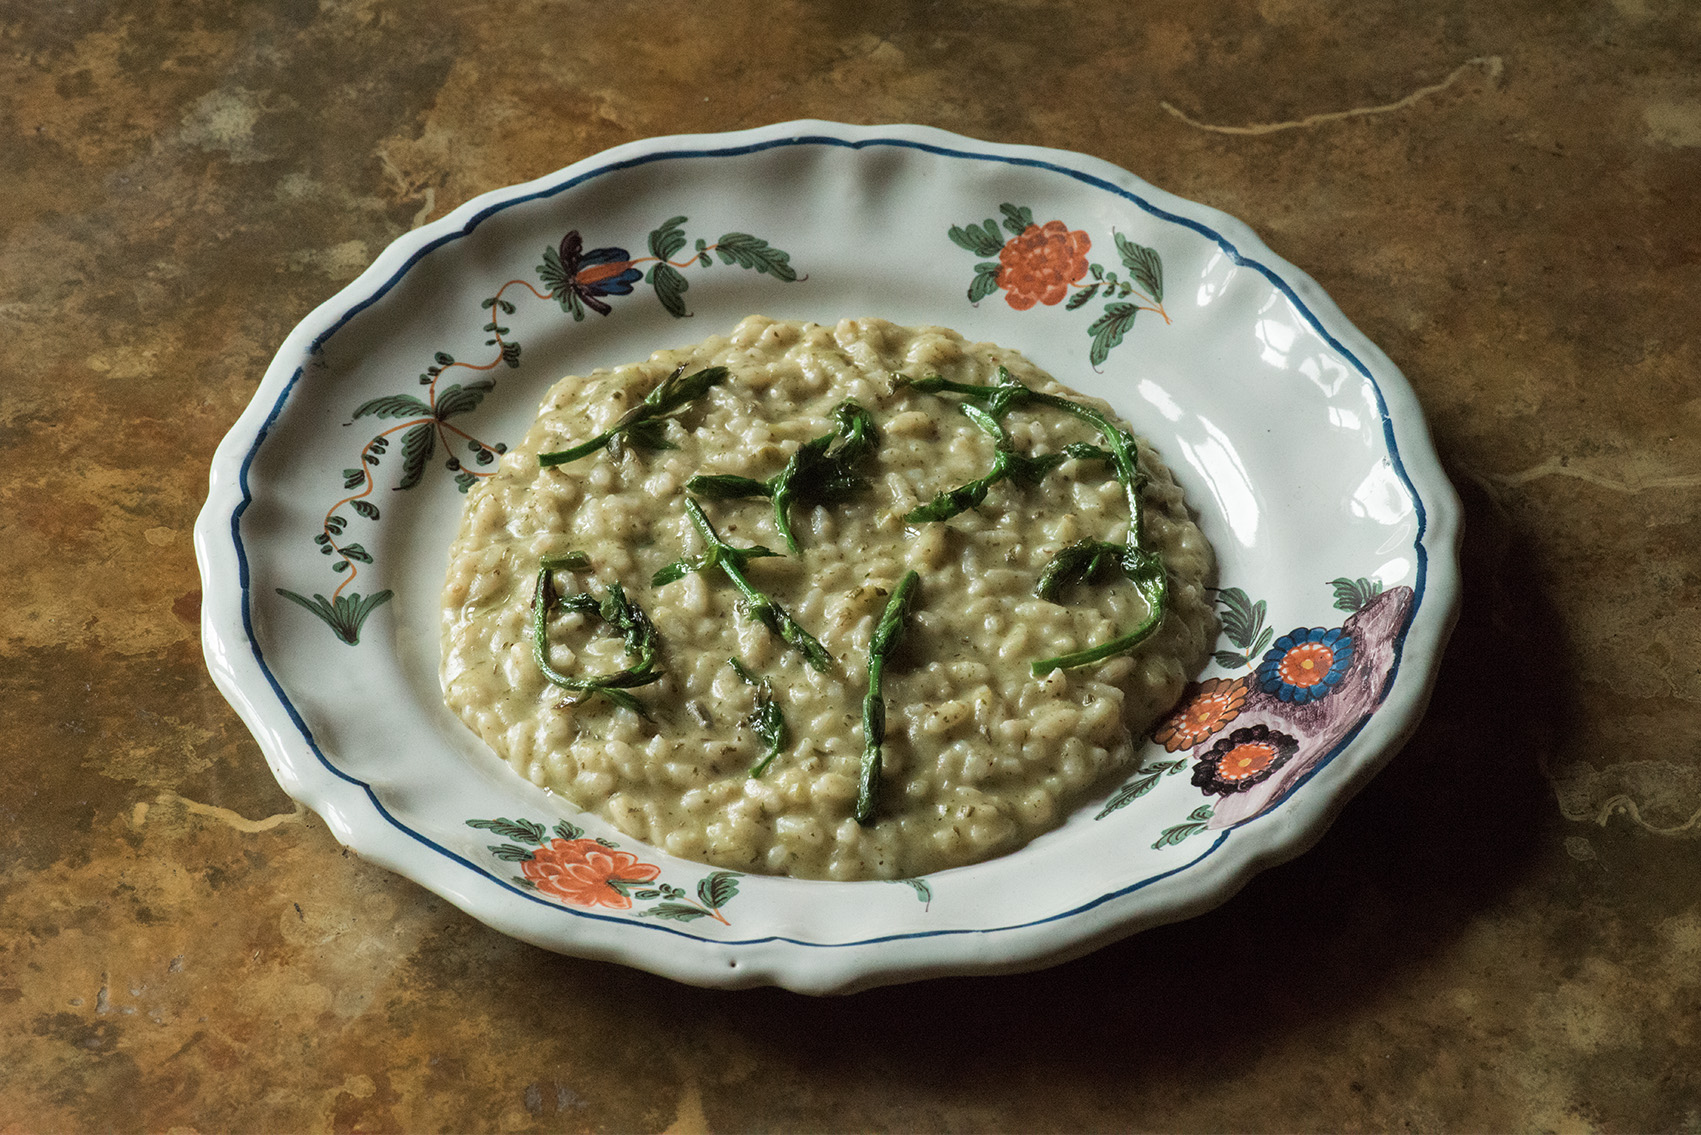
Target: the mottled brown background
(1501, 933)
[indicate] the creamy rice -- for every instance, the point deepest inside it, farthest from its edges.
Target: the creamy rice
(980, 756)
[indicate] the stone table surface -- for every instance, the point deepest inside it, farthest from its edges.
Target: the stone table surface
(1501, 933)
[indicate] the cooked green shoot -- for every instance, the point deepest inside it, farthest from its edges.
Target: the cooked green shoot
(766, 720)
(822, 471)
(645, 424)
(624, 616)
(731, 561)
(1086, 560)
(887, 634)
(1007, 464)
(566, 561)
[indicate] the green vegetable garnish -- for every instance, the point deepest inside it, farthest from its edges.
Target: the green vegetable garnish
(644, 424)
(887, 634)
(820, 472)
(624, 616)
(1087, 559)
(566, 561)
(1152, 584)
(1006, 464)
(758, 606)
(766, 720)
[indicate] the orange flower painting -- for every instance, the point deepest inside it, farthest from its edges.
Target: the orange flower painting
(562, 863)
(1041, 264)
(1244, 758)
(1045, 264)
(1217, 702)
(1305, 665)
(579, 872)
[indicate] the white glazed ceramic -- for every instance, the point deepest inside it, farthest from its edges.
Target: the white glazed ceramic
(1298, 442)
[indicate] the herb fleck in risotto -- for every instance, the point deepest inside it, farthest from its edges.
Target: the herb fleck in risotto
(850, 602)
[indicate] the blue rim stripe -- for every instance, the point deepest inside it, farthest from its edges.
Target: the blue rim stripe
(474, 221)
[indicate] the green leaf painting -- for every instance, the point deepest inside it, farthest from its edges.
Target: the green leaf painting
(667, 238)
(393, 406)
(1146, 780)
(670, 285)
(1352, 594)
(1108, 330)
(923, 891)
(674, 912)
(524, 830)
(982, 240)
(345, 614)
(417, 446)
(1243, 625)
(1144, 266)
(1017, 218)
(1198, 821)
(985, 281)
(460, 399)
(718, 889)
(754, 253)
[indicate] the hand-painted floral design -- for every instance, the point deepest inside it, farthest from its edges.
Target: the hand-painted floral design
(1216, 703)
(1242, 759)
(1040, 263)
(1289, 718)
(422, 425)
(585, 873)
(579, 279)
(1045, 263)
(594, 873)
(575, 278)
(1306, 664)
(1243, 625)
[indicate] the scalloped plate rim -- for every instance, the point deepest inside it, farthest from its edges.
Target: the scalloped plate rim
(1287, 830)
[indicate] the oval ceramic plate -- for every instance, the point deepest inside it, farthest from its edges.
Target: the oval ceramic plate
(333, 500)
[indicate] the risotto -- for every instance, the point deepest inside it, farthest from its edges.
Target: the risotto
(851, 602)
